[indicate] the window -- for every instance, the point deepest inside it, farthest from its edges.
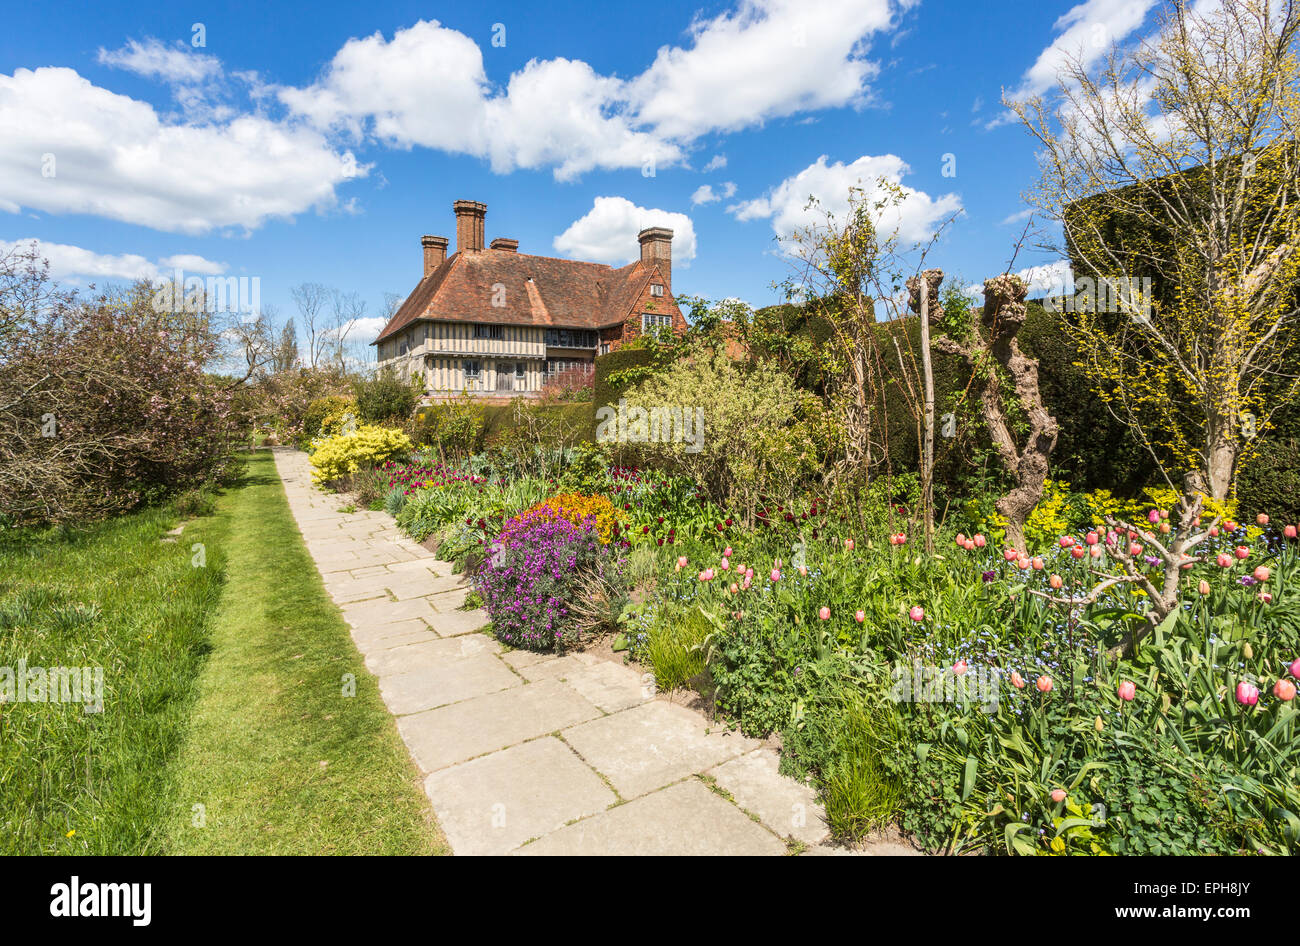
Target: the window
(489, 331)
(520, 369)
(604, 348)
(652, 321)
(656, 289)
(473, 369)
(570, 338)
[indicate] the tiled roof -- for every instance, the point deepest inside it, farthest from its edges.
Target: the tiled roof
(538, 290)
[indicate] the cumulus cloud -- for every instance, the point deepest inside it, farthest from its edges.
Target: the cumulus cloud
(427, 87)
(1055, 278)
(716, 163)
(69, 146)
(68, 262)
(607, 232)
(705, 194)
(914, 220)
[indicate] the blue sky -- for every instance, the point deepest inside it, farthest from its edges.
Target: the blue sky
(316, 142)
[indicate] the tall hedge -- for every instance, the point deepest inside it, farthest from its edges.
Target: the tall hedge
(607, 392)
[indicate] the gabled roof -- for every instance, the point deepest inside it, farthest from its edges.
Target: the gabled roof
(538, 290)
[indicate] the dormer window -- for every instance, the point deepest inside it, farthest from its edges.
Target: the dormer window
(656, 289)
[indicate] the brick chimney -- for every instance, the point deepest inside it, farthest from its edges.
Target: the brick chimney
(502, 243)
(469, 225)
(657, 247)
(435, 252)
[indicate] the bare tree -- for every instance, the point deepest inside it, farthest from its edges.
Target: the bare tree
(310, 298)
(1178, 162)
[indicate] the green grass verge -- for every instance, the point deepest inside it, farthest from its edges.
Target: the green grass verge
(280, 758)
(111, 596)
(222, 688)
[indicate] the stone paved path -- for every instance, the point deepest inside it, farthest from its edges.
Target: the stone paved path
(531, 754)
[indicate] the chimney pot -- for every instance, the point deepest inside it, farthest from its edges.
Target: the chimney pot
(657, 247)
(504, 243)
(435, 252)
(469, 225)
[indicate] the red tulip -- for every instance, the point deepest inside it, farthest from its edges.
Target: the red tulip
(1241, 552)
(1077, 552)
(1065, 541)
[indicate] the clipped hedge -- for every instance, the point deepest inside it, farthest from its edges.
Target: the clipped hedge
(576, 420)
(607, 392)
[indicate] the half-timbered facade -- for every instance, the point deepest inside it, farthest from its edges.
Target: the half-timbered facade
(494, 322)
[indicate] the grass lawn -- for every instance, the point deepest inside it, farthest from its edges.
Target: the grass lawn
(226, 728)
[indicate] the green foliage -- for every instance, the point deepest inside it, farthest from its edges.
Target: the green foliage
(366, 447)
(620, 370)
(385, 398)
(453, 429)
(326, 416)
(1270, 482)
(675, 646)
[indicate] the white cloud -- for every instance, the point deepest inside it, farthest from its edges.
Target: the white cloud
(1088, 31)
(361, 331)
(153, 60)
(427, 87)
(705, 194)
(1054, 278)
(1019, 216)
(915, 220)
(75, 262)
(766, 59)
(607, 232)
(115, 157)
(716, 163)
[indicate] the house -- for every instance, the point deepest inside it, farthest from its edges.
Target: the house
(495, 322)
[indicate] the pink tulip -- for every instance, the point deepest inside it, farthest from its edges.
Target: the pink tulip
(725, 565)
(726, 553)
(848, 544)
(1214, 532)
(1241, 552)
(776, 574)
(1247, 693)
(1037, 563)
(1065, 541)
(1230, 525)
(969, 545)
(1134, 549)
(961, 539)
(1044, 684)
(1164, 528)
(803, 571)
(1091, 538)
(859, 616)
(917, 613)
(1096, 551)
(1289, 532)
(1077, 552)
(1153, 516)
(1295, 667)
(1056, 581)
(1262, 519)
(749, 574)
(1204, 587)
(959, 667)
(707, 575)
(1022, 563)
(1284, 690)
(1262, 573)
(681, 563)
(1058, 795)
(735, 588)
(824, 613)
(1017, 680)
(1264, 597)
(1127, 690)
(1224, 560)
(1010, 555)
(979, 540)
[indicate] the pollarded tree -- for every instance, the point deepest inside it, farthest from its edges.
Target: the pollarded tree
(1023, 432)
(1177, 163)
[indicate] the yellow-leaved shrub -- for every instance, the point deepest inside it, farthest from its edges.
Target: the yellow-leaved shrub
(366, 447)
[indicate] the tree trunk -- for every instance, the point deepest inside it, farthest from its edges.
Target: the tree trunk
(924, 291)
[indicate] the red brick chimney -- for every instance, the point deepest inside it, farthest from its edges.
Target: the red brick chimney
(657, 247)
(435, 252)
(503, 243)
(469, 225)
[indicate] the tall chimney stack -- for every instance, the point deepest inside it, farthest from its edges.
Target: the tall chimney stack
(469, 225)
(657, 247)
(435, 252)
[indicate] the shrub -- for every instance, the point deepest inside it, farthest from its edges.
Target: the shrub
(385, 399)
(366, 447)
(453, 429)
(326, 416)
(605, 520)
(533, 574)
(1270, 482)
(675, 645)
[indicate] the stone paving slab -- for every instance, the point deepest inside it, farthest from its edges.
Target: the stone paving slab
(652, 745)
(495, 803)
(686, 819)
(462, 731)
(529, 753)
(783, 804)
